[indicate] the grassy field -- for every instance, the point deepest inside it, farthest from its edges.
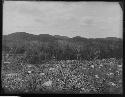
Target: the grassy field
(69, 76)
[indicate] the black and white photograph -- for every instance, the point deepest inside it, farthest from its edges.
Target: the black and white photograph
(62, 47)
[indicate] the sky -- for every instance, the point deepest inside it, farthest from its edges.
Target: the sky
(85, 19)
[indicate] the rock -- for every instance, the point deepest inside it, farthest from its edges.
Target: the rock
(96, 76)
(6, 62)
(29, 65)
(42, 74)
(48, 83)
(112, 84)
(120, 66)
(29, 71)
(92, 66)
(52, 69)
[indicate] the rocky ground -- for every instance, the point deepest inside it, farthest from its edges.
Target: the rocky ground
(70, 76)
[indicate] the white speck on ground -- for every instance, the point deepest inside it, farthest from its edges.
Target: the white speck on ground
(111, 83)
(92, 66)
(7, 62)
(29, 66)
(42, 73)
(101, 65)
(52, 69)
(96, 76)
(110, 74)
(48, 83)
(29, 71)
(119, 66)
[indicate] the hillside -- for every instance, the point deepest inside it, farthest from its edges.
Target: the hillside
(42, 37)
(63, 47)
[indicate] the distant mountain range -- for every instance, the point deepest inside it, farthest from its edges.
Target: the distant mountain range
(32, 37)
(46, 37)
(62, 46)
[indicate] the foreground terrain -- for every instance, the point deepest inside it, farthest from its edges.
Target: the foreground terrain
(65, 76)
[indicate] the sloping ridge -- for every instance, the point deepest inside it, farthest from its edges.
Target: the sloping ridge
(46, 37)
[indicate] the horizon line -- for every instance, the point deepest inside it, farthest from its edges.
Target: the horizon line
(64, 35)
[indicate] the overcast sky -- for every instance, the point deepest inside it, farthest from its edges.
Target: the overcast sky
(86, 19)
